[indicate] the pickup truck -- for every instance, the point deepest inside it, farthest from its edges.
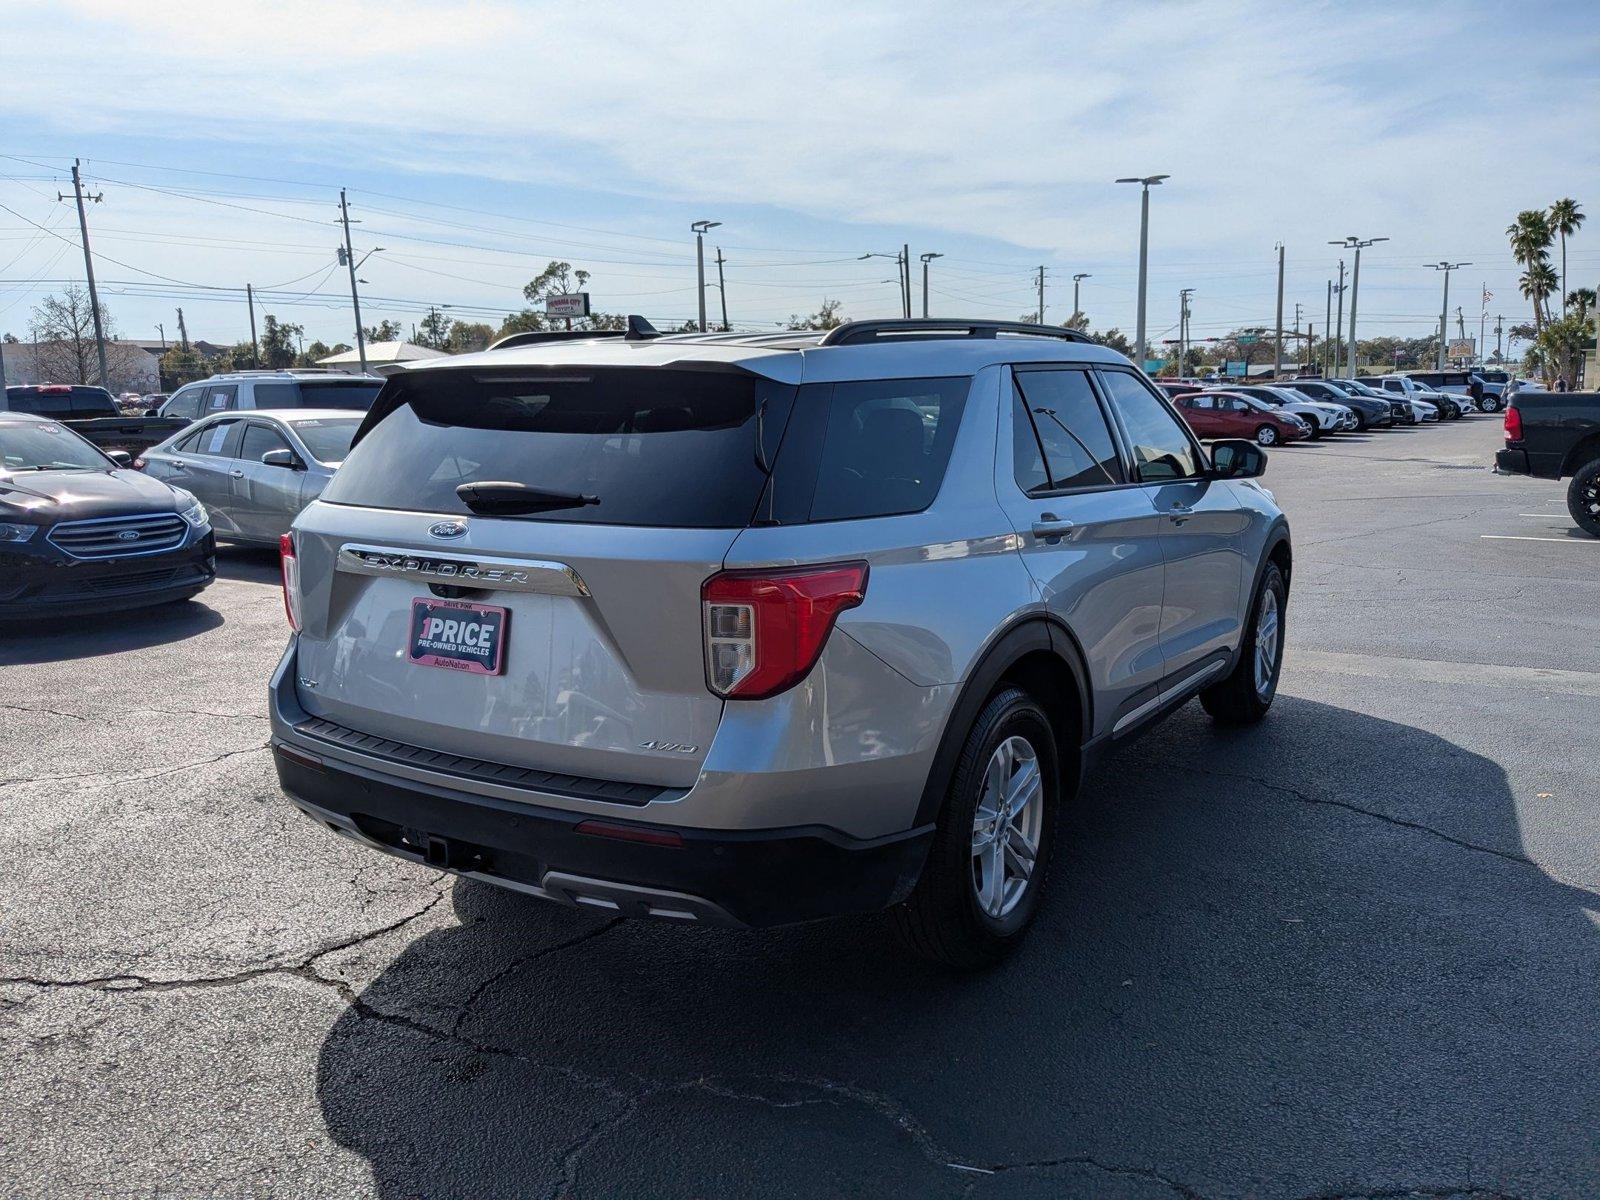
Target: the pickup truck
(1556, 435)
(91, 412)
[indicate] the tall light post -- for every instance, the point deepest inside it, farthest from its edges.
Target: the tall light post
(1145, 184)
(1357, 244)
(1077, 281)
(1183, 327)
(699, 229)
(926, 259)
(1444, 309)
(902, 270)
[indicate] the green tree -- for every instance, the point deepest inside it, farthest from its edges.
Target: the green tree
(278, 343)
(557, 279)
(434, 330)
(1582, 299)
(384, 331)
(1530, 236)
(1536, 284)
(826, 317)
(1560, 345)
(1565, 219)
(179, 366)
(1114, 339)
(468, 336)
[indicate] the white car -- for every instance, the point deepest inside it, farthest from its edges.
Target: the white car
(1321, 415)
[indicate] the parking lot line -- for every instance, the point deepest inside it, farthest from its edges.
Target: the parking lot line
(1449, 673)
(1517, 537)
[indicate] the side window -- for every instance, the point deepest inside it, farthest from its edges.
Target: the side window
(1078, 450)
(1027, 456)
(44, 404)
(185, 404)
(1161, 448)
(886, 445)
(214, 438)
(191, 444)
(219, 396)
(275, 395)
(258, 439)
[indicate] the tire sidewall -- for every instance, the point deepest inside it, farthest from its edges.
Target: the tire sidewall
(1587, 476)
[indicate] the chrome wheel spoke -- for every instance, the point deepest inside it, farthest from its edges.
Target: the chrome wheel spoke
(1006, 825)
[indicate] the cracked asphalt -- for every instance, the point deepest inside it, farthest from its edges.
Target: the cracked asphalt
(1350, 953)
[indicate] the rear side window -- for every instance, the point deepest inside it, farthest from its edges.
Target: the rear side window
(220, 396)
(40, 402)
(886, 446)
(1066, 419)
(276, 395)
(652, 447)
(334, 393)
(93, 402)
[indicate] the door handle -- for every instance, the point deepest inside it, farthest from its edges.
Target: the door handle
(236, 473)
(1051, 526)
(1180, 509)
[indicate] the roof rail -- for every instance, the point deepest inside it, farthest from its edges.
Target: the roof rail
(853, 333)
(638, 330)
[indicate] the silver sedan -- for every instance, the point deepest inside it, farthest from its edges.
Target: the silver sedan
(254, 471)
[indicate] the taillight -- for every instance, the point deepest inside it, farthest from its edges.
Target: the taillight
(764, 630)
(1513, 424)
(291, 580)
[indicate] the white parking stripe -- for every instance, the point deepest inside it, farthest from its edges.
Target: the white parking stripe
(1512, 537)
(1450, 674)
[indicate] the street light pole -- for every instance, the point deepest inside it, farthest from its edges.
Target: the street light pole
(1041, 295)
(1277, 349)
(1145, 184)
(699, 229)
(926, 259)
(1356, 244)
(1444, 309)
(1076, 281)
(722, 289)
(1338, 345)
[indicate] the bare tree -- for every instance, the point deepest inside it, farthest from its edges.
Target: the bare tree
(63, 351)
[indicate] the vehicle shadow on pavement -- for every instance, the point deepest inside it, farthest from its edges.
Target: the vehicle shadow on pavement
(1310, 958)
(252, 564)
(61, 639)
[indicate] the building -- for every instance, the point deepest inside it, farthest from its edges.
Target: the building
(132, 367)
(383, 358)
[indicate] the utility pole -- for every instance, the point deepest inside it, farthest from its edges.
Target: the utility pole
(1041, 295)
(1461, 324)
(162, 330)
(1076, 280)
(255, 346)
(699, 228)
(1327, 324)
(183, 333)
(1356, 244)
(722, 289)
(355, 298)
(905, 279)
(1145, 184)
(1444, 308)
(1338, 345)
(1183, 328)
(88, 268)
(1499, 326)
(926, 259)
(1483, 316)
(1277, 352)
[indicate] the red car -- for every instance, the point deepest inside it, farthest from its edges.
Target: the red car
(1229, 415)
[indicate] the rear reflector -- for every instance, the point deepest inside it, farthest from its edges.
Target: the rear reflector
(765, 630)
(631, 833)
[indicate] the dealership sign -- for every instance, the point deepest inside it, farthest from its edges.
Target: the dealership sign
(567, 304)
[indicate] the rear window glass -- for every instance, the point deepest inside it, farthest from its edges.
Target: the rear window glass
(885, 446)
(653, 447)
(93, 402)
(1071, 429)
(40, 403)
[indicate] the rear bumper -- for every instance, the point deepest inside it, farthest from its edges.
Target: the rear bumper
(744, 878)
(1511, 461)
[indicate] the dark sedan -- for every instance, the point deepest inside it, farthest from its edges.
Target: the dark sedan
(80, 533)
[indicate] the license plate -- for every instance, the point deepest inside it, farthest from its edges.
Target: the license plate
(459, 636)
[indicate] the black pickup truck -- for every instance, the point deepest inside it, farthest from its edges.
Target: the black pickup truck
(1556, 435)
(92, 412)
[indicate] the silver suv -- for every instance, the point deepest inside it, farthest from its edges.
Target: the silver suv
(751, 629)
(302, 387)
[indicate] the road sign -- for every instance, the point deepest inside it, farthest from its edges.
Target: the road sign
(1152, 365)
(567, 304)
(1247, 339)
(1462, 348)
(1235, 370)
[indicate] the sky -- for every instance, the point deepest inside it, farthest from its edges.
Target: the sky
(480, 141)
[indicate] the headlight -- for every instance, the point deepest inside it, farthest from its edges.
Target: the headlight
(191, 510)
(16, 533)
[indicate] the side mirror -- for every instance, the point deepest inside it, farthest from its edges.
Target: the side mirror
(282, 458)
(1236, 458)
(121, 457)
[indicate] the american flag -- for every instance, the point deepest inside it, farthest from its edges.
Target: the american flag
(1487, 295)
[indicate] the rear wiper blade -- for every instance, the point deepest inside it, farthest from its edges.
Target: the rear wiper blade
(508, 499)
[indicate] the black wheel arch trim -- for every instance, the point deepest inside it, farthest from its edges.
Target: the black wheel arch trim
(1029, 634)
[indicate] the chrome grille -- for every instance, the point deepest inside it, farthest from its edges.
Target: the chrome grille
(120, 537)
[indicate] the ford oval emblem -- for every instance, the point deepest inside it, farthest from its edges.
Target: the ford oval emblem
(128, 535)
(447, 530)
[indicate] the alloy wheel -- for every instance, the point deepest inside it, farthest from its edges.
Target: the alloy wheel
(1006, 826)
(1266, 436)
(1267, 631)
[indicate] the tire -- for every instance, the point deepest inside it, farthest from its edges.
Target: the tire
(1266, 436)
(1489, 404)
(1583, 498)
(1244, 697)
(950, 917)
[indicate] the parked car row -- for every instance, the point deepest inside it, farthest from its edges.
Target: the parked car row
(1307, 407)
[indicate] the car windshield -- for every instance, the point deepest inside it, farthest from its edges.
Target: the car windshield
(46, 446)
(327, 438)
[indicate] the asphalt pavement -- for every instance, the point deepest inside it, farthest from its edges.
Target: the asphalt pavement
(1352, 952)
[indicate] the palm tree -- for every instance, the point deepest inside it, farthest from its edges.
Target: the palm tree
(1581, 299)
(1537, 282)
(1565, 218)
